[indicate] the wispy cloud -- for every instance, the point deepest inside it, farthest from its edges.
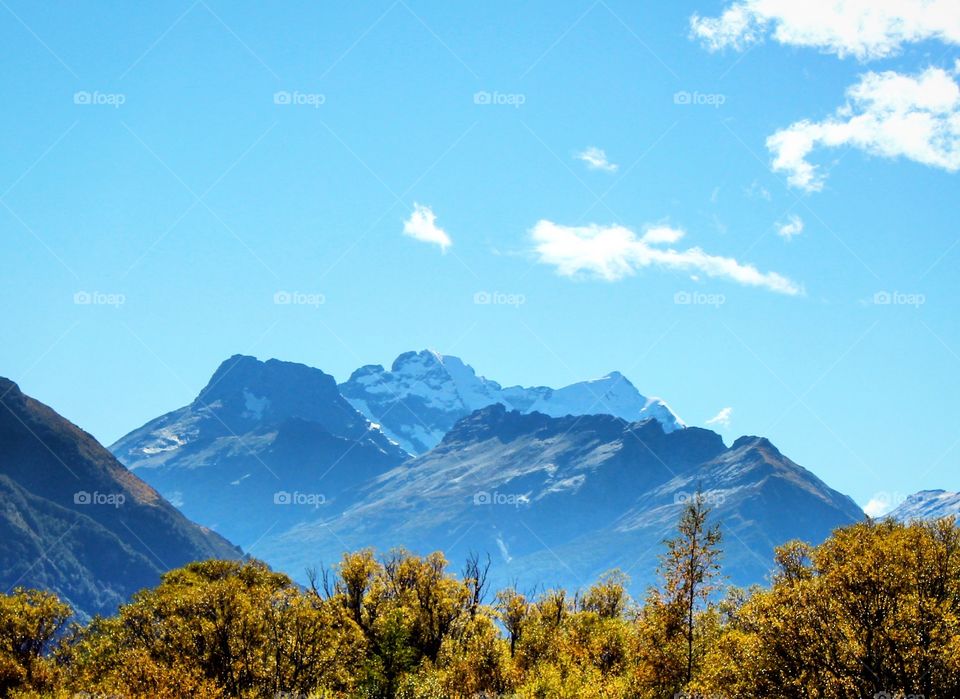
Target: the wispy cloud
(721, 419)
(757, 190)
(793, 226)
(865, 29)
(887, 114)
(596, 159)
(614, 252)
(422, 226)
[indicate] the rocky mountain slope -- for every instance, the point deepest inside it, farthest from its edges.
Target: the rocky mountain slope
(265, 445)
(560, 500)
(928, 505)
(75, 521)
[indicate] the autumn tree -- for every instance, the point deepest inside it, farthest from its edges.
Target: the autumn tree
(874, 610)
(29, 622)
(675, 624)
(690, 568)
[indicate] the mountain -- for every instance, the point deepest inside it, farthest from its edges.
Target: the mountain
(277, 457)
(928, 505)
(264, 446)
(558, 500)
(75, 521)
(424, 394)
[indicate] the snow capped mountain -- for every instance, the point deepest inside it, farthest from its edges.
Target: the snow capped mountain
(424, 393)
(928, 505)
(245, 393)
(259, 435)
(281, 460)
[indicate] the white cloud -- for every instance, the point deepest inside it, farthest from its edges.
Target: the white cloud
(882, 503)
(656, 235)
(722, 418)
(887, 114)
(792, 227)
(422, 226)
(596, 159)
(877, 507)
(614, 252)
(866, 29)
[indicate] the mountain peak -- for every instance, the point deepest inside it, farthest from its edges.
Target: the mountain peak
(763, 443)
(928, 505)
(423, 358)
(8, 387)
(246, 387)
(247, 395)
(437, 390)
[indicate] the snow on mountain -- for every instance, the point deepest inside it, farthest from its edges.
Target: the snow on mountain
(424, 393)
(258, 437)
(928, 505)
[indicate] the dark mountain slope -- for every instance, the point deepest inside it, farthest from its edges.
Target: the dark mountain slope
(75, 520)
(263, 447)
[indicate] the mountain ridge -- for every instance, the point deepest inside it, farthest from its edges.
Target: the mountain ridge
(424, 393)
(594, 492)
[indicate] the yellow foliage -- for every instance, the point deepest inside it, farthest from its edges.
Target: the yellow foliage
(874, 609)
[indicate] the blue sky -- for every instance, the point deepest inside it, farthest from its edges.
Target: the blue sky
(150, 163)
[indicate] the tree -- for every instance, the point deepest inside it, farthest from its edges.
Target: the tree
(873, 611)
(690, 568)
(512, 608)
(29, 622)
(674, 623)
